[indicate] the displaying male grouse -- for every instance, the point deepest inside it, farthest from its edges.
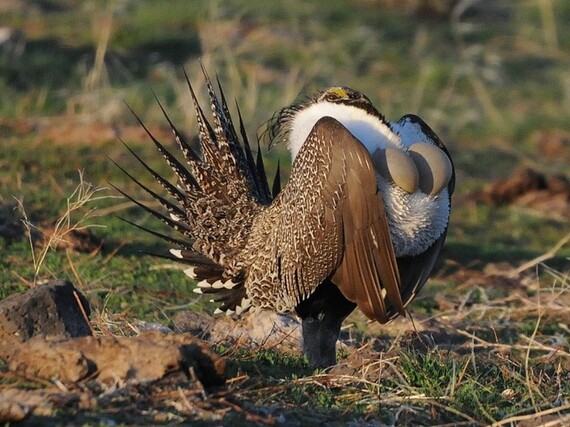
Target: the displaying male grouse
(360, 222)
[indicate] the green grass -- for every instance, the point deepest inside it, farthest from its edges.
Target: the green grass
(488, 86)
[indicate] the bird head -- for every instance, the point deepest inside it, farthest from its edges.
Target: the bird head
(343, 95)
(350, 107)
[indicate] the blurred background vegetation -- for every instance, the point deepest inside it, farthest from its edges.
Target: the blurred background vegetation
(491, 77)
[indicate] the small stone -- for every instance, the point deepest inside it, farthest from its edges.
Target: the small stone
(51, 309)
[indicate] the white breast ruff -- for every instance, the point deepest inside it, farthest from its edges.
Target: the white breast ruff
(416, 220)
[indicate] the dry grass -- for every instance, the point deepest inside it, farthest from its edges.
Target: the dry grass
(75, 218)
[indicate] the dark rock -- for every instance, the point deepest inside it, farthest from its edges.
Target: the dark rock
(49, 309)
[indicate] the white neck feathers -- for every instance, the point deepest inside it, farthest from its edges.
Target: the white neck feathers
(368, 129)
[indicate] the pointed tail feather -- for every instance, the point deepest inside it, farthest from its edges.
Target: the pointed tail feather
(170, 207)
(171, 189)
(169, 239)
(276, 187)
(175, 225)
(181, 172)
(217, 197)
(189, 154)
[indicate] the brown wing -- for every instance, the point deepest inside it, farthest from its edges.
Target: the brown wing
(368, 273)
(336, 229)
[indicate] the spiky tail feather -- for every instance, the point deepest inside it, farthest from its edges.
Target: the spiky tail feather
(213, 202)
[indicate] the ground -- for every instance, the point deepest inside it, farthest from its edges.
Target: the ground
(487, 338)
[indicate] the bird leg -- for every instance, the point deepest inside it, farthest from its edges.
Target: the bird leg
(322, 315)
(319, 339)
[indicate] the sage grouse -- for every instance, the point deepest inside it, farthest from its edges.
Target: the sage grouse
(360, 222)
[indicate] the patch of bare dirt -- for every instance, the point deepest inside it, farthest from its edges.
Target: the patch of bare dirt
(75, 130)
(549, 194)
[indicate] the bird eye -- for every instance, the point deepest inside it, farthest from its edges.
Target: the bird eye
(331, 96)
